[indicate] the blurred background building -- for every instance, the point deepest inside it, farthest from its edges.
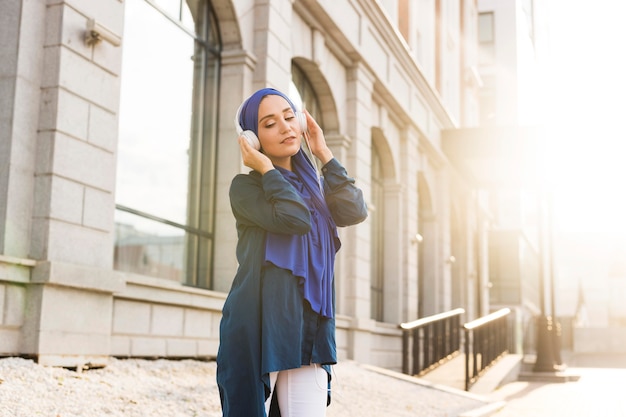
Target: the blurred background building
(118, 148)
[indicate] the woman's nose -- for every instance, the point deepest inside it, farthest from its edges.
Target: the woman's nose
(284, 125)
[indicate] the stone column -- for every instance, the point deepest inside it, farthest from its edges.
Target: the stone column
(393, 292)
(236, 73)
(21, 37)
(409, 168)
(69, 298)
(357, 254)
(272, 44)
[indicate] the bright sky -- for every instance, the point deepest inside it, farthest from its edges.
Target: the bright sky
(588, 104)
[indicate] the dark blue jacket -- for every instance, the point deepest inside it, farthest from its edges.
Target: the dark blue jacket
(266, 324)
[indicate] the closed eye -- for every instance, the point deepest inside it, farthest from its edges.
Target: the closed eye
(270, 119)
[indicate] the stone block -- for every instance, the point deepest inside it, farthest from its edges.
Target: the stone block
(120, 346)
(102, 128)
(7, 97)
(9, 341)
(198, 323)
(58, 198)
(208, 348)
(88, 246)
(182, 348)
(24, 119)
(77, 276)
(167, 320)
(148, 347)
(98, 208)
(72, 115)
(109, 13)
(68, 310)
(15, 305)
(18, 228)
(216, 318)
(87, 80)
(9, 26)
(31, 35)
(45, 154)
(48, 108)
(67, 344)
(39, 233)
(63, 111)
(131, 317)
(3, 290)
(83, 162)
(54, 20)
(72, 32)
(51, 67)
(108, 57)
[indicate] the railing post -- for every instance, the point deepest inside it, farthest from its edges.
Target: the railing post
(429, 340)
(405, 352)
(467, 358)
(417, 348)
(487, 337)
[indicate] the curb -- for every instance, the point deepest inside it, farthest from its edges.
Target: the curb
(484, 411)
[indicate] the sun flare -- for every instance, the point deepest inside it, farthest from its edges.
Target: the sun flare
(585, 106)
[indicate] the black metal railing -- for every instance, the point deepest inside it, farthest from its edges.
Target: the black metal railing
(485, 342)
(430, 341)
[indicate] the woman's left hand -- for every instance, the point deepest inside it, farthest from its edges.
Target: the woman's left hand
(317, 142)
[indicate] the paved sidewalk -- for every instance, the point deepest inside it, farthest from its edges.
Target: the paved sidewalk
(140, 388)
(599, 392)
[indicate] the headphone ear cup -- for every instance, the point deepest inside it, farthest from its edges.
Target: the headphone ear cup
(302, 120)
(251, 139)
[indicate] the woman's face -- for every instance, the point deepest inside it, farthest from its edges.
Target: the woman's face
(279, 130)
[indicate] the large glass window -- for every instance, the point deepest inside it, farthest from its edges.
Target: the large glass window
(377, 253)
(486, 38)
(302, 91)
(166, 152)
(303, 95)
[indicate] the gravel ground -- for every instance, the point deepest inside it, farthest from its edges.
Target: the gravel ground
(186, 388)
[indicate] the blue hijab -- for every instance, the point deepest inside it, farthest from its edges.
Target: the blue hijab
(310, 257)
(249, 113)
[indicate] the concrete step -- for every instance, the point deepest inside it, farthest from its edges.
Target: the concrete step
(452, 374)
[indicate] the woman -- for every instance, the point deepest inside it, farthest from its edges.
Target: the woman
(277, 334)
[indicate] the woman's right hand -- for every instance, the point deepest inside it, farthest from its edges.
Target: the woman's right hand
(253, 158)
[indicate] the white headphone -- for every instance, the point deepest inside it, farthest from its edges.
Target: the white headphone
(252, 139)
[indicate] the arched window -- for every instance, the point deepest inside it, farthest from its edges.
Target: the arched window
(302, 90)
(303, 95)
(376, 215)
(167, 138)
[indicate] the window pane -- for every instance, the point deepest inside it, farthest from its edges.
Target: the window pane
(146, 247)
(171, 7)
(377, 255)
(302, 91)
(485, 27)
(155, 126)
(155, 114)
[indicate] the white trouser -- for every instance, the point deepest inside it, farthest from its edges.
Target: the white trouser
(302, 392)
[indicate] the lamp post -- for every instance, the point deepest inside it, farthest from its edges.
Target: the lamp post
(556, 326)
(544, 361)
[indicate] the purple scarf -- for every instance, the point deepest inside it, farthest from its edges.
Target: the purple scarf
(311, 257)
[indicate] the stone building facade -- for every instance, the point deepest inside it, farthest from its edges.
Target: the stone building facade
(118, 146)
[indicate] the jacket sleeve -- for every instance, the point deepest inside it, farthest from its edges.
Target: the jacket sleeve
(269, 202)
(344, 199)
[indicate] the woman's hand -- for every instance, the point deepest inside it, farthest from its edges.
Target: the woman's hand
(317, 142)
(253, 158)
